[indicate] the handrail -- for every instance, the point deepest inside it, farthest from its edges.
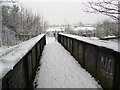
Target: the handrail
(101, 43)
(100, 61)
(22, 63)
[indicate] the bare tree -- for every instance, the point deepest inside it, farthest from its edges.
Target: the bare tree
(110, 8)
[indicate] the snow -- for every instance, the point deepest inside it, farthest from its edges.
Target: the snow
(94, 38)
(55, 29)
(12, 56)
(109, 36)
(60, 70)
(2, 48)
(102, 43)
(85, 28)
(49, 39)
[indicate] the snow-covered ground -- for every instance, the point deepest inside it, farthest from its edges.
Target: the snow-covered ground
(60, 70)
(3, 48)
(49, 39)
(10, 56)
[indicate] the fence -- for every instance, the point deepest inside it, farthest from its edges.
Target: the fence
(23, 72)
(100, 62)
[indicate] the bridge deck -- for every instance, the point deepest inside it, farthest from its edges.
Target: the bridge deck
(60, 70)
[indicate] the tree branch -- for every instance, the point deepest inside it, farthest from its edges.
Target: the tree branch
(106, 7)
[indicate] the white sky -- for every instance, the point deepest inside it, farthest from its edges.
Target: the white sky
(62, 11)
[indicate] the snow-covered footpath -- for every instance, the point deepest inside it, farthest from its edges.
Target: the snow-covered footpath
(60, 70)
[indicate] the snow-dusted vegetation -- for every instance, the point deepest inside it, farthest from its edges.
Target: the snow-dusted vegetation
(9, 37)
(18, 25)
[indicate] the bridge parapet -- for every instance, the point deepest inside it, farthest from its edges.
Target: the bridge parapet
(99, 58)
(21, 73)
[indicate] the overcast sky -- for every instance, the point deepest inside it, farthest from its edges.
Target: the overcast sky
(62, 11)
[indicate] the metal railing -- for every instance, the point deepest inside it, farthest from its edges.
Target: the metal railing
(24, 71)
(102, 63)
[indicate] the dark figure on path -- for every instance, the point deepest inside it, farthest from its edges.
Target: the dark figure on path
(55, 35)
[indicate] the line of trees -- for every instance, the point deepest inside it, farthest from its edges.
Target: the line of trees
(22, 21)
(107, 28)
(19, 24)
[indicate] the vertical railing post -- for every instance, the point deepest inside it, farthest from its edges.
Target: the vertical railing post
(117, 72)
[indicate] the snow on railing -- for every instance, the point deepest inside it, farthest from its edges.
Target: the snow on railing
(102, 43)
(100, 58)
(10, 57)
